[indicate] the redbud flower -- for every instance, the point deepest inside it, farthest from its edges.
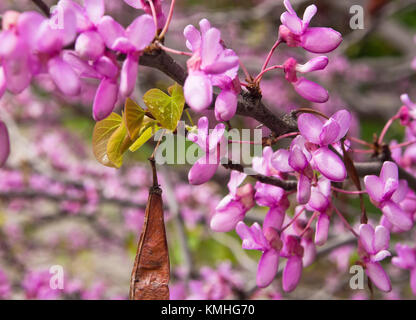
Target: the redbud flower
(206, 166)
(297, 33)
(320, 201)
(372, 248)
(4, 144)
(386, 192)
(210, 65)
(234, 206)
(305, 88)
(132, 41)
(293, 251)
(406, 259)
(267, 241)
(296, 160)
(322, 134)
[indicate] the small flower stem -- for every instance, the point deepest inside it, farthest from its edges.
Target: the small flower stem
(246, 73)
(365, 143)
(315, 214)
(261, 74)
(345, 222)
(348, 191)
(309, 110)
(403, 144)
(152, 7)
(169, 19)
(178, 52)
(293, 220)
(287, 135)
(269, 56)
(246, 142)
(362, 151)
(386, 128)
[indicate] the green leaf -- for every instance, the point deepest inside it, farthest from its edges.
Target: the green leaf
(133, 118)
(145, 134)
(166, 109)
(102, 133)
(118, 143)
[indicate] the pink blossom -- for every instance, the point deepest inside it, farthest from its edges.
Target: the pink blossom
(206, 166)
(387, 192)
(296, 159)
(406, 259)
(305, 88)
(267, 241)
(372, 248)
(234, 206)
(297, 33)
(210, 65)
(321, 134)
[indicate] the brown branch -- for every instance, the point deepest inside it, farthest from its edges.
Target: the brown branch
(43, 7)
(248, 105)
(286, 185)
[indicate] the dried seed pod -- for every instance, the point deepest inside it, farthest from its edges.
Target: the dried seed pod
(151, 271)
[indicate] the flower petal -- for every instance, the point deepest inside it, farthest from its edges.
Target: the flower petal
(193, 37)
(227, 219)
(95, 9)
(303, 190)
(267, 269)
(381, 239)
(330, 132)
(321, 40)
(343, 118)
(4, 144)
(374, 187)
(309, 13)
(236, 178)
(310, 127)
(367, 235)
(202, 171)
(225, 105)
(105, 99)
(329, 164)
(128, 75)
(397, 216)
(389, 171)
(64, 76)
(198, 91)
(292, 22)
(141, 31)
(274, 218)
(310, 90)
(280, 161)
(378, 276)
(322, 229)
(292, 273)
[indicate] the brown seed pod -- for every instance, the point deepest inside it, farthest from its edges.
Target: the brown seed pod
(151, 271)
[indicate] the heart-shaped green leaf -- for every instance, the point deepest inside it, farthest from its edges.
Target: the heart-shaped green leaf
(133, 118)
(146, 133)
(166, 109)
(118, 143)
(102, 133)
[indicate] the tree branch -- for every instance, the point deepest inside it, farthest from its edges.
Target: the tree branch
(43, 7)
(248, 105)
